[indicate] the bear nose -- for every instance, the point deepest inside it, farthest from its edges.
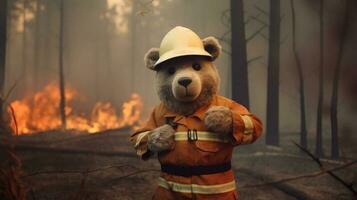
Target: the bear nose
(184, 81)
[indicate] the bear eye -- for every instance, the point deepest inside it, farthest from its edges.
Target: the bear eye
(171, 70)
(196, 66)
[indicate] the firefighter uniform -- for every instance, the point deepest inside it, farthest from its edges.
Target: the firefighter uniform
(198, 165)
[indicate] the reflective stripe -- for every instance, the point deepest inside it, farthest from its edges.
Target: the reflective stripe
(247, 139)
(202, 135)
(248, 125)
(197, 189)
(140, 137)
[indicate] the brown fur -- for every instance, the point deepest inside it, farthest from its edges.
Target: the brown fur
(151, 57)
(161, 138)
(212, 46)
(218, 119)
(209, 80)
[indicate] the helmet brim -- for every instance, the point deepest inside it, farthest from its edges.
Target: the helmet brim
(181, 52)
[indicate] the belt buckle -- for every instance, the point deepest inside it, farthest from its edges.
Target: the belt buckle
(192, 135)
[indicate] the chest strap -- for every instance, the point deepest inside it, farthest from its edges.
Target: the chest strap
(193, 135)
(179, 170)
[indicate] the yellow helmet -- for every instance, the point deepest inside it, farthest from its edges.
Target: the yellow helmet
(180, 41)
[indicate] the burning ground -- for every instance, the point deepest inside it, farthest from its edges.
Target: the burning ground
(61, 165)
(40, 112)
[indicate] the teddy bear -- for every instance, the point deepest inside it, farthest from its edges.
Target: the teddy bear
(193, 130)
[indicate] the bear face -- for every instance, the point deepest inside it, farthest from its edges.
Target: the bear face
(186, 83)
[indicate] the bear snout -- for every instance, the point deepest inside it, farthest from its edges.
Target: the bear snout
(185, 81)
(186, 86)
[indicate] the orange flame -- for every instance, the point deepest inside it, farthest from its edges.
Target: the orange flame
(40, 112)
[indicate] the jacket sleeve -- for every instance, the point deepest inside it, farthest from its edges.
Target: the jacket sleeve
(246, 127)
(140, 138)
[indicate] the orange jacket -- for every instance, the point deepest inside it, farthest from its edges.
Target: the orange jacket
(246, 129)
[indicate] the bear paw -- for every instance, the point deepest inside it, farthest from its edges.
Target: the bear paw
(161, 139)
(219, 119)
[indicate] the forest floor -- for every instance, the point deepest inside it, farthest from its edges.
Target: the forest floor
(104, 166)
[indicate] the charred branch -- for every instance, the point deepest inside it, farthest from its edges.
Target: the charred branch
(252, 36)
(31, 148)
(288, 189)
(254, 59)
(117, 179)
(88, 171)
(309, 175)
(349, 186)
(261, 10)
(259, 20)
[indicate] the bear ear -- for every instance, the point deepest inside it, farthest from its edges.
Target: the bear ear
(151, 57)
(212, 46)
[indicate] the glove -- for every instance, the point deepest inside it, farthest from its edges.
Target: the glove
(218, 119)
(161, 139)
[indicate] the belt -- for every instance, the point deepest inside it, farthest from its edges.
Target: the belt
(195, 170)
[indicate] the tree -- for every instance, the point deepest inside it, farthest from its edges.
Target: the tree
(24, 41)
(61, 71)
(272, 127)
(319, 150)
(334, 96)
(36, 39)
(240, 89)
(303, 131)
(3, 32)
(133, 21)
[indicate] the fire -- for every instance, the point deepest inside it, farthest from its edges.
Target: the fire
(40, 112)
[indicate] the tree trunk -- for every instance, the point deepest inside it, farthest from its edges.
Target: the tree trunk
(334, 96)
(3, 32)
(61, 70)
(133, 43)
(25, 71)
(240, 89)
(108, 58)
(303, 131)
(272, 127)
(36, 50)
(319, 150)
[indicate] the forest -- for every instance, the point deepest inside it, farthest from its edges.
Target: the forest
(73, 87)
